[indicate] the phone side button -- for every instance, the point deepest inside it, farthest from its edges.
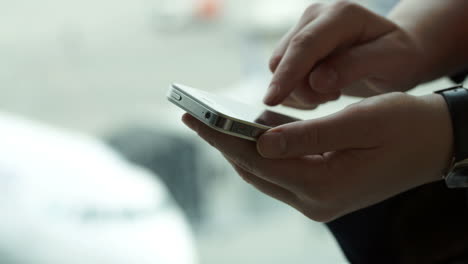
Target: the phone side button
(176, 96)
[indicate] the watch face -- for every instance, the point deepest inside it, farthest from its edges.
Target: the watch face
(458, 176)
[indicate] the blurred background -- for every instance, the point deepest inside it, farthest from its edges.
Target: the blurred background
(84, 77)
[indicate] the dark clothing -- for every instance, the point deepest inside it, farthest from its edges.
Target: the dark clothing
(426, 225)
(459, 77)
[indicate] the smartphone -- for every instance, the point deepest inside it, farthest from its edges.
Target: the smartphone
(224, 114)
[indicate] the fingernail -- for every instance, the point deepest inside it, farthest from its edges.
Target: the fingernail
(270, 97)
(272, 144)
(323, 80)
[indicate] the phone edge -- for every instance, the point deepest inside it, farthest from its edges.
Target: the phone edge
(226, 121)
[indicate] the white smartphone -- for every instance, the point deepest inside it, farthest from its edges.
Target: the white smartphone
(224, 114)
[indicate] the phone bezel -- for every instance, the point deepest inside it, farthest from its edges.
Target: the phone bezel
(216, 120)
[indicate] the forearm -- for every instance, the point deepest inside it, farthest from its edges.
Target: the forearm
(440, 28)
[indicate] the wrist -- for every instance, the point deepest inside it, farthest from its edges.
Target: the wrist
(422, 59)
(431, 58)
(413, 26)
(435, 28)
(442, 131)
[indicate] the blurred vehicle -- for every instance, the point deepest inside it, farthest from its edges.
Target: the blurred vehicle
(68, 198)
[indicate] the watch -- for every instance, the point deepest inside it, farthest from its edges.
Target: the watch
(457, 102)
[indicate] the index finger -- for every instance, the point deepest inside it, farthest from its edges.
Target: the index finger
(341, 25)
(309, 14)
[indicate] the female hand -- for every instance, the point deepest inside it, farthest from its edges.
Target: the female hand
(334, 165)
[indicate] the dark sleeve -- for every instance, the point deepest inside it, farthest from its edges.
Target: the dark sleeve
(427, 224)
(459, 77)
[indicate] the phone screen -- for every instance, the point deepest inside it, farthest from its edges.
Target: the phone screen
(238, 110)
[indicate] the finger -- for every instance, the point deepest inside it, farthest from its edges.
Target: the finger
(297, 102)
(362, 88)
(274, 119)
(344, 130)
(293, 103)
(266, 187)
(352, 66)
(304, 97)
(308, 97)
(309, 14)
(318, 40)
(286, 173)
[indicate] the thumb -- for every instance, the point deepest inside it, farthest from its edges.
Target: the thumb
(350, 66)
(343, 130)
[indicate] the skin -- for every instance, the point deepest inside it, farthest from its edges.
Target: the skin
(331, 166)
(345, 48)
(372, 150)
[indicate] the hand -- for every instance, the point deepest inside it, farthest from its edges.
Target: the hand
(342, 47)
(334, 165)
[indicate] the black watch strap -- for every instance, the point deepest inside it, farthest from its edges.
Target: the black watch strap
(457, 102)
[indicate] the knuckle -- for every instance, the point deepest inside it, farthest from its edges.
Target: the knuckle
(323, 210)
(361, 113)
(344, 5)
(300, 40)
(321, 215)
(283, 73)
(246, 164)
(400, 96)
(365, 107)
(327, 216)
(274, 61)
(312, 10)
(246, 177)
